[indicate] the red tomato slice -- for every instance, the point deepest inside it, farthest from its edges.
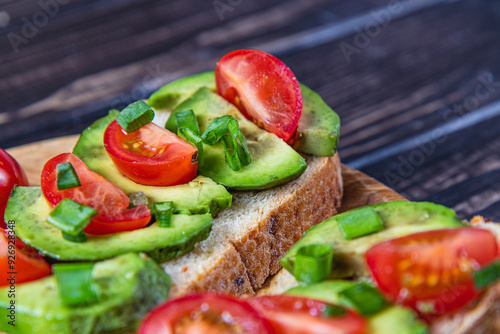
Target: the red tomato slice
(291, 314)
(152, 155)
(24, 261)
(10, 174)
(431, 271)
(263, 88)
(96, 192)
(204, 313)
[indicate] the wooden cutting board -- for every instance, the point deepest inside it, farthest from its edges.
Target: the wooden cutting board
(359, 188)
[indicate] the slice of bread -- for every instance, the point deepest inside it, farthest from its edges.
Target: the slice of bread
(480, 317)
(250, 237)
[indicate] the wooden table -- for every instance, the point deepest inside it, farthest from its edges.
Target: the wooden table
(416, 83)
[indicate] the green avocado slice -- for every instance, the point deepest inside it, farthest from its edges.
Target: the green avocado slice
(400, 218)
(319, 126)
(202, 195)
(28, 209)
(273, 161)
(128, 287)
(394, 319)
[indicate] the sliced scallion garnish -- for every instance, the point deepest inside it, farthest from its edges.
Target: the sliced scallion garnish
(67, 177)
(194, 139)
(80, 237)
(216, 130)
(74, 282)
(163, 213)
(360, 222)
(364, 298)
(487, 275)
(71, 217)
(231, 153)
(239, 142)
(187, 119)
(333, 311)
(135, 116)
(313, 263)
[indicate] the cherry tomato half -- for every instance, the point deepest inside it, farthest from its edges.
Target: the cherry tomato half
(10, 174)
(263, 88)
(152, 155)
(96, 192)
(24, 261)
(205, 313)
(294, 315)
(432, 271)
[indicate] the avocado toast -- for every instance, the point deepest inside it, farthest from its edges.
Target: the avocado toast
(271, 202)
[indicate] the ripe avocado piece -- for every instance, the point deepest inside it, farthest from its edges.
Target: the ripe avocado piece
(319, 126)
(201, 195)
(29, 209)
(129, 286)
(273, 161)
(394, 319)
(174, 93)
(400, 218)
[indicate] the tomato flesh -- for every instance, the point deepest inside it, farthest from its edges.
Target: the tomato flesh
(263, 88)
(204, 313)
(19, 261)
(431, 272)
(152, 155)
(97, 192)
(11, 174)
(291, 314)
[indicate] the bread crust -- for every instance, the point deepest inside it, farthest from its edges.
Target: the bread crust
(273, 220)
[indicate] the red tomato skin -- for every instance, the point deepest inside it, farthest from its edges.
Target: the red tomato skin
(96, 192)
(26, 263)
(299, 315)
(163, 318)
(151, 171)
(263, 88)
(11, 174)
(432, 261)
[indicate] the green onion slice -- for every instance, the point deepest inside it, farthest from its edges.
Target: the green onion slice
(239, 142)
(216, 130)
(333, 311)
(81, 237)
(137, 199)
(187, 119)
(360, 222)
(364, 298)
(74, 281)
(313, 263)
(231, 156)
(135, 116)
(194, 139)
(71, 217)
(163, 212)
(67, 177)
(487, 275)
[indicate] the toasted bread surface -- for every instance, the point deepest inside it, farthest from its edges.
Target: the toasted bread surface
(250, 237)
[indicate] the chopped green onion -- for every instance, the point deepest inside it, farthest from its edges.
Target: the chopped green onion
(81, 237)
(231, 153)
(487, 275)
(364, 298)
(187, 119)
(313, 263)
(163, 212)
(137, 199)
(194, 139)
(74, 282)
(216, 130)
(67, 177)
(333, 311)
(135, 116)
(360, 222)
(241, 146)
(71, 217)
